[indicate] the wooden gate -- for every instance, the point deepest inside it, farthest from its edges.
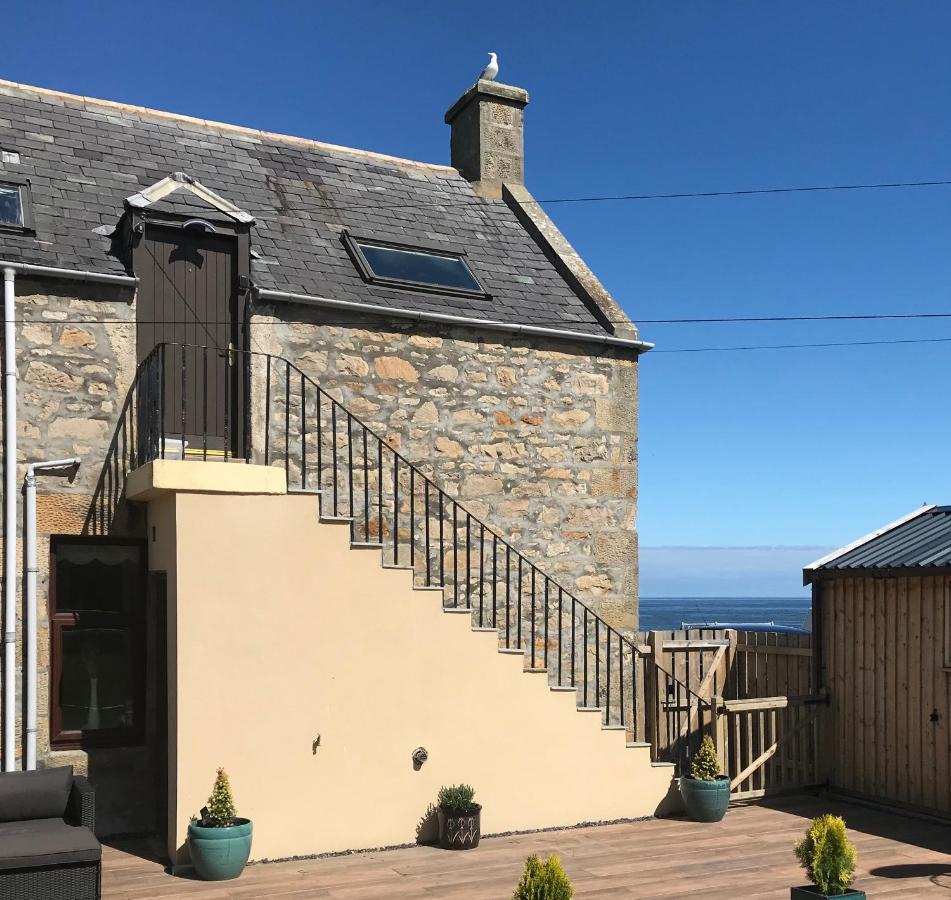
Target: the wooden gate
(770, 744)
(714, 682)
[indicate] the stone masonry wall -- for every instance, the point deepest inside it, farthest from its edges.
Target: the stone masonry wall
(75, 364)
(537, 438)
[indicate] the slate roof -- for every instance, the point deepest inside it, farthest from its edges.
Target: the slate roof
(920, 541)
(84, 157)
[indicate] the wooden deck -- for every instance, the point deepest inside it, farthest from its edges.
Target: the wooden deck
(749, 854)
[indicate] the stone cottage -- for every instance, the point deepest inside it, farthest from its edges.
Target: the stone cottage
(436, 304)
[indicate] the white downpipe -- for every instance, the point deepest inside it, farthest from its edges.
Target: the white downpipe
(9, 520)
(29, 600)
(29, 621)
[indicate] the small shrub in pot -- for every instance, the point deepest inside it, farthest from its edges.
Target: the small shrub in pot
(828, 857)
(459, 818)
(544, 880)
(218, 841)
(706, 792)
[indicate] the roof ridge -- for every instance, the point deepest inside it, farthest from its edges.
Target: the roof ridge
(227, 126)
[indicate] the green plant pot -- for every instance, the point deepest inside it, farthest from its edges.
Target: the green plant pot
(706, 801)
(810, 892)
(219, 854)
(460, 832)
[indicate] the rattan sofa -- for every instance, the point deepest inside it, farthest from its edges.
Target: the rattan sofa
(47, 847)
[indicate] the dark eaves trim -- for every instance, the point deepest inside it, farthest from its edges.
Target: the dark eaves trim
(70, 274)
(486, 324)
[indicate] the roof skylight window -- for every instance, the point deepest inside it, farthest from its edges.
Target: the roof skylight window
(414, 268)
(15, 210)
(11, 205)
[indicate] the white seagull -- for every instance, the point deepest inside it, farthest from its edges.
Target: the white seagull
(491, 70)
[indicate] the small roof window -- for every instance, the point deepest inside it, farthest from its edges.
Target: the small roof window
(414, 268)
(15, 206)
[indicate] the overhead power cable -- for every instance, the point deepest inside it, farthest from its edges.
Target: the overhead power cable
(940, 340)
(476, 202)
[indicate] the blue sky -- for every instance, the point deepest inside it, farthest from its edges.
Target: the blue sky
(763, 448)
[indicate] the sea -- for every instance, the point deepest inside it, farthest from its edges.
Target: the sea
(670, 613)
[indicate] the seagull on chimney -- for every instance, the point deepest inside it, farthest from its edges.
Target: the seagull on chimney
(491, 70)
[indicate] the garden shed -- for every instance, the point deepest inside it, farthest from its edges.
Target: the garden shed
(882, 629)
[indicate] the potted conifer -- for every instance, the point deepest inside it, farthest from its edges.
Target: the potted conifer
(705, 791)
(828, 857)
(459, 818)
(218, 841)
(544, 880)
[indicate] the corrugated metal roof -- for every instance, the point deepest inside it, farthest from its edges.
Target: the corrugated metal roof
(921, 541)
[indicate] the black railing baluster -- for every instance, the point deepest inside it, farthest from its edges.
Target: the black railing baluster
(607, 678)
(333, 449)
(546, 622)
(366, 487)
(350, 465)
(442, 545)
(597, 662)
(267, 413)
(379, 490)
(620, 672)
(518, 611)
(161, 428)
(561, 652)
(227, 404)
(481, 574)
(287, 423)
(574, 658)
(396, 509)
(455, 554)
(303, 433)
(508, 597)
(533, 618)
(468, 561)
(429, 579)
(585, 650)
(184, 397)
(412, 518)
(204, 405)
(320, 442)
(495, 581)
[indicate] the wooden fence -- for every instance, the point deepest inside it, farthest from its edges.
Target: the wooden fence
(751, 691)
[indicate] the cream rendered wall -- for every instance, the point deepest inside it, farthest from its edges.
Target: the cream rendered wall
(281, 633)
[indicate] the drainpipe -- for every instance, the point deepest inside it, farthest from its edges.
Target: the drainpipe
(9, 520)
(68, 468)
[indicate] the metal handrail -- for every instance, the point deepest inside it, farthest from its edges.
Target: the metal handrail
(602, 664)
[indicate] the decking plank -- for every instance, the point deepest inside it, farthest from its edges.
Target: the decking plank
(659, 858)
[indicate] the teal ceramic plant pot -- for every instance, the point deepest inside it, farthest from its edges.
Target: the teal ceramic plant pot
(219, 854)
(810, 892)
(706, 801)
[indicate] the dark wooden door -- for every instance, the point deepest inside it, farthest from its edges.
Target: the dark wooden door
(188, 299)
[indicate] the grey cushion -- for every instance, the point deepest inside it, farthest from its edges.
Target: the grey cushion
(42, 794)
(45, 842)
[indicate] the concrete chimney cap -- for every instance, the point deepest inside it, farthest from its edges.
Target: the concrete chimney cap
(506, 92)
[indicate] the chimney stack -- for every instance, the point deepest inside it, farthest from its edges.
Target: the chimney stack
(486, 143)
